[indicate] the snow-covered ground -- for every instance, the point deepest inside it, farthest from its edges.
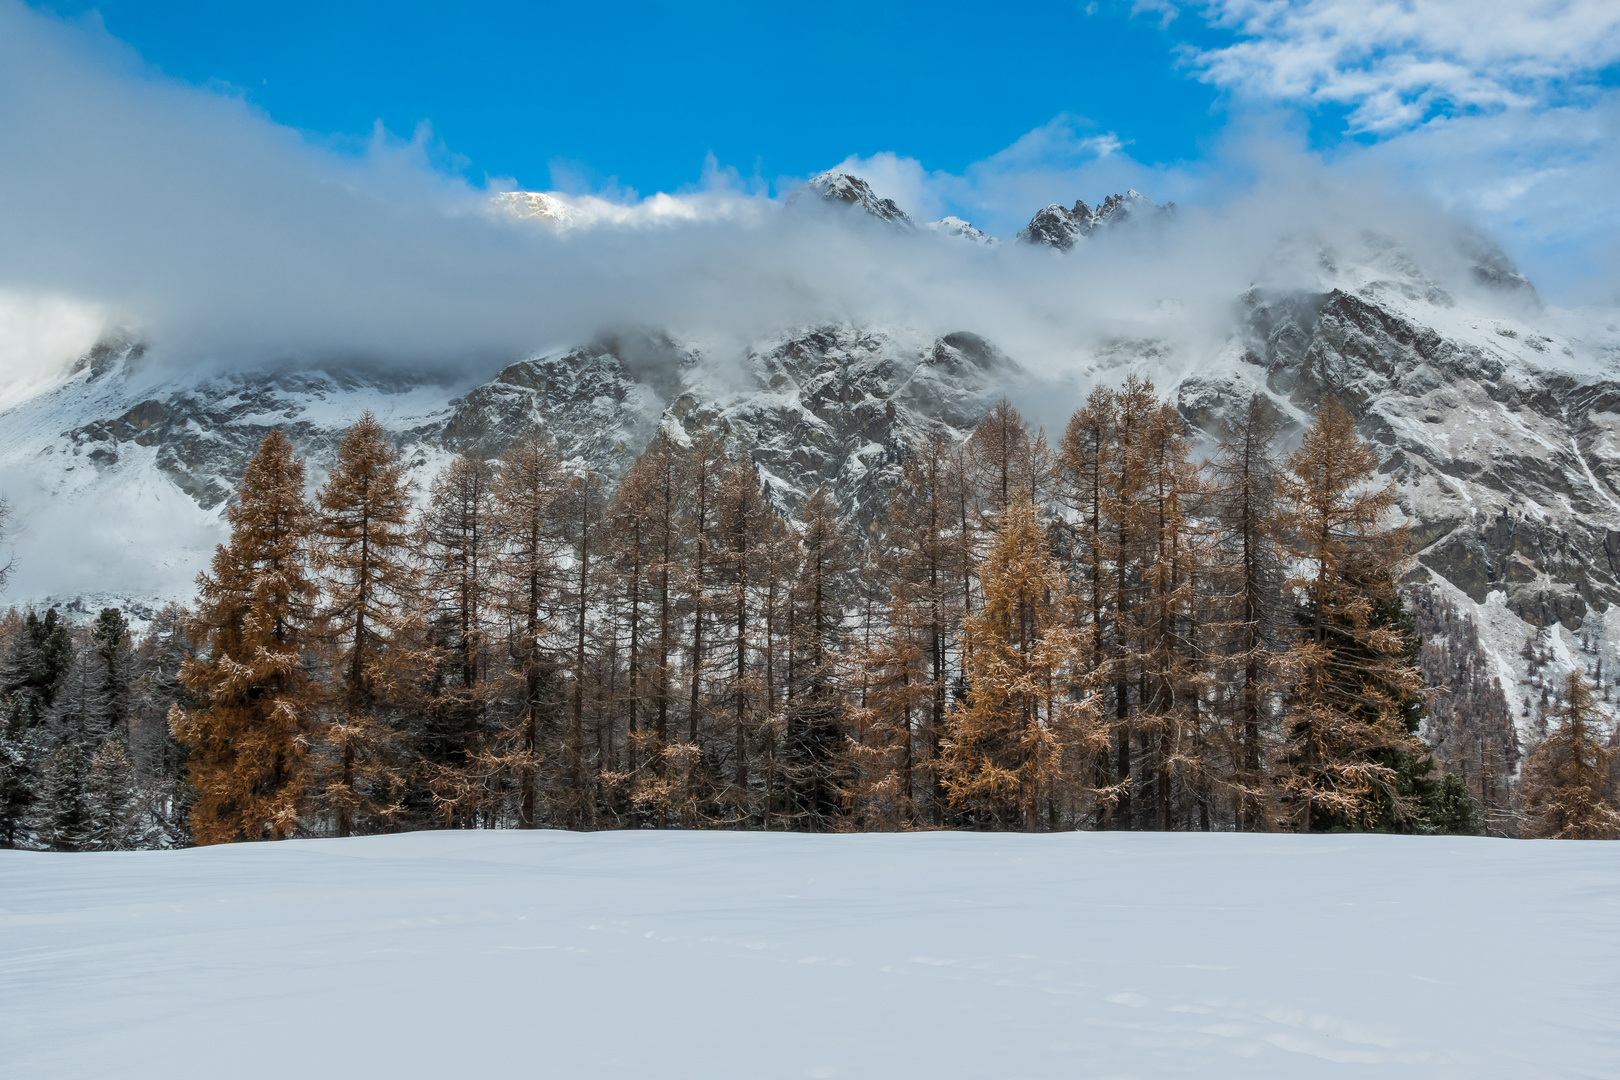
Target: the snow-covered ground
(745, 955)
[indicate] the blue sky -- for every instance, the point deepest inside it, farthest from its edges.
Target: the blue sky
(636, 94)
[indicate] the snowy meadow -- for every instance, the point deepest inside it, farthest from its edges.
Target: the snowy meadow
(645, 954)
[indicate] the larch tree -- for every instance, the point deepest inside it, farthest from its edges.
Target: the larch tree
(891, 666)
(814, 728)
(630, 558)
(247, 736)
(741, 524)
(1563, 789)
(1249, 577)
(364, 553)
(1353, 689)
(529, 492)
(1008, 740)
(10, 563)
(1165, 651)
(456, 546)
(925, 556)
(703, 469)
(1087, 466)
(655, 485)
(1125, 554)
(582, 516)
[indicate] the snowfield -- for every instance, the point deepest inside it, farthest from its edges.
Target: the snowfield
(638, 954)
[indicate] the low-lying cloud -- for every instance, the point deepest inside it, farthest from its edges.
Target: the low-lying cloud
(221, 237)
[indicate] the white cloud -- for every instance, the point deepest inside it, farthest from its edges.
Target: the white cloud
(40, 335)
(1542, 181)
(1396, 63)
(1060, 161)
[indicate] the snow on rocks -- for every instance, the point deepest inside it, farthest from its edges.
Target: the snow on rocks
(843, 189)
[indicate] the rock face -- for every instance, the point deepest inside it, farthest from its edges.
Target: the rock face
(832, 406)
(838, 406)
(1061, 227)
(842, 189)
(1509, 472)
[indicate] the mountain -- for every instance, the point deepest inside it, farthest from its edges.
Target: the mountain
(845, 190)
(1498, 419)
(1061, 227)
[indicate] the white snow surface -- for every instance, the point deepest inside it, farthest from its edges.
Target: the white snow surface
(712, 955)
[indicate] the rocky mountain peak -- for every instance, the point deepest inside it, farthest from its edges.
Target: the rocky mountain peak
(1058, 226)
(962, 230)
(846, 189)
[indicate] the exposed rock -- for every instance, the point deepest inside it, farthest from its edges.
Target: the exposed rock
(1061, 227)
(843, 189)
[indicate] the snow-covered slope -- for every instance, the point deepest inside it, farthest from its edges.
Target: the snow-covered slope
(709, 956)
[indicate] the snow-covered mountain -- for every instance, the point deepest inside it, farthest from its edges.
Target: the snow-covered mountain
(1062, 226)
(1499, 420)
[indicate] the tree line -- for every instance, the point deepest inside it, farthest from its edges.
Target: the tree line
(1103, 633)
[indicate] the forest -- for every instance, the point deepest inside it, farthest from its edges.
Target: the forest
(1108, 632)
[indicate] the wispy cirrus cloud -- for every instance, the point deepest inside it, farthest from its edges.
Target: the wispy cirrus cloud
(1506, 114)
(1398, 63)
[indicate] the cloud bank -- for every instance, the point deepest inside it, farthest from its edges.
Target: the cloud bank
(221, 237)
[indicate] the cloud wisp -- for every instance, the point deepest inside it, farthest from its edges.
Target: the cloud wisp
(1397, 63)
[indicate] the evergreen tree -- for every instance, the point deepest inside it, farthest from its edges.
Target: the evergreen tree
(1564, 787)
(115, 663)
(364, 555)
(32, 670)
(157, 756)
(76, 722)
(1165, 650)
(248, 734)
(112, 813)
(60, 815)
(1125, 557)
